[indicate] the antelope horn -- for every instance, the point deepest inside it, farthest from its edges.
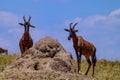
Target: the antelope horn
(24, 19)
(74, 25)
(29, 19)
(71, 25)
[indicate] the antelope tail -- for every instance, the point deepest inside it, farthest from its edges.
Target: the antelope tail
(94, 60)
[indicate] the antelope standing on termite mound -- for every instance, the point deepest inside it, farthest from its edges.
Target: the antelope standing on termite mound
(26, 41)
(82, 47)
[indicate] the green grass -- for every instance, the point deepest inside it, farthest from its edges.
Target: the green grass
(104, 70)
(6, 60)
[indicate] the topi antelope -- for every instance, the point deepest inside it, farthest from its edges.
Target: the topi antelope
(82, 47)
(26, 41)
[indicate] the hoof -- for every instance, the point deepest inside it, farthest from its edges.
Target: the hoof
(80, 72)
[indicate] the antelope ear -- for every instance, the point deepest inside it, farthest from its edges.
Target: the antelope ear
(21, 24)
(76, 30)
(32, 26)
(67, 30)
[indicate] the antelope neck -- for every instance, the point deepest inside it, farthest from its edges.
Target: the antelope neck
(74, 38)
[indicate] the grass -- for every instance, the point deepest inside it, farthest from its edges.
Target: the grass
(6, 60)
(104, 70)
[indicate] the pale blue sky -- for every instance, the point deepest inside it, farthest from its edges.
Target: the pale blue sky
(99, 23)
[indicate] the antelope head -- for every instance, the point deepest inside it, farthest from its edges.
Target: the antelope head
(27, 24)
(71, 30)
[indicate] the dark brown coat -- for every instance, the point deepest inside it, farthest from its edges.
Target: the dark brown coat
(26, 41)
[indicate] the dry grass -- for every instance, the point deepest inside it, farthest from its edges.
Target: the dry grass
(6, 60)
(104, 70)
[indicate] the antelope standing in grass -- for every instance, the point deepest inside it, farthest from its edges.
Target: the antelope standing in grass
(26, 41)
(82, 47)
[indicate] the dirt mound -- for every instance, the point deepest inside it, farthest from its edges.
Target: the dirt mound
(47, 54)
(47, 60)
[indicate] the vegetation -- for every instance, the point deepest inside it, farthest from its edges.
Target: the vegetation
(104, 70)
(6, 60)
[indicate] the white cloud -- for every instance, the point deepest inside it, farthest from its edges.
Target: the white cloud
(103, 31)
(4, 43)
(7, 18)
(10, 21)
(92, 20)
(77, 19)
(16, 32)
(115, 13)
(9, 25)
(108, 21)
